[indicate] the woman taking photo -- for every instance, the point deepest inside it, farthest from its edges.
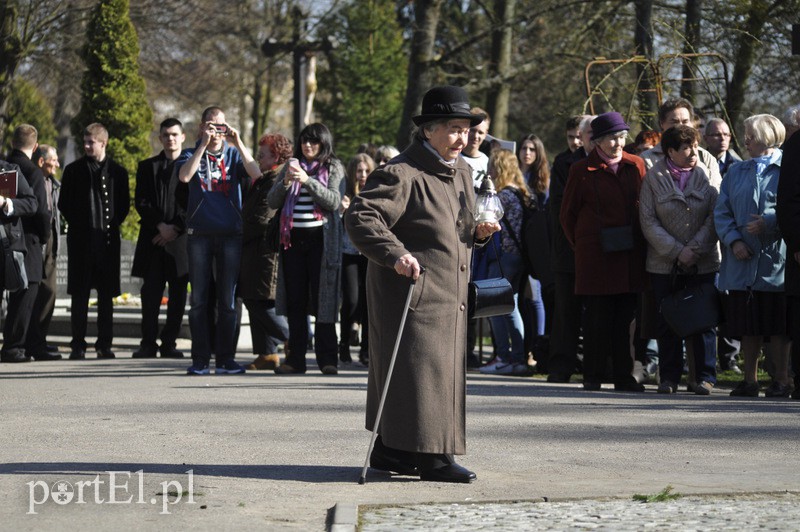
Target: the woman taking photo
(307, 196)
(354, 270)
(754, 256)
(508, 330)
(676, 211)
(600, 218)
(258, 277)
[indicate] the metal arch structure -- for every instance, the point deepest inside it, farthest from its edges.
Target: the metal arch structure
(654, 78)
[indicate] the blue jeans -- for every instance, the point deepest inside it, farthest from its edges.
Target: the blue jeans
(223, 253)
(670, 347)
(508, 330)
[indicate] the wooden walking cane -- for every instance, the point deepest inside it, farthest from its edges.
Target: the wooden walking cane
(363, 478)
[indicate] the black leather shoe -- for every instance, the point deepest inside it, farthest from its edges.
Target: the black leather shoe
(77, 354)
(384, 462)
(629, 387)
(559, 378)
(449, 473)
(14, 358)
(50, 348)
(47, 357)
(591, 386)
(105, 352)
(171, 353)
(142, 352)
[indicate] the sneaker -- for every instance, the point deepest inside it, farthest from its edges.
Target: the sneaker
(703, 388)
(523, 370)
(502, 368)
(667, 387)
(491, 366)
(746, 389)
(229, 367)
(197, 370)
(777, 389)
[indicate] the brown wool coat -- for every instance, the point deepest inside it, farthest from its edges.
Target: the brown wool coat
(417, 204)
(592, 186)
(258, 277)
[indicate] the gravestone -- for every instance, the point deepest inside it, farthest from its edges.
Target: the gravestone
(129, 284)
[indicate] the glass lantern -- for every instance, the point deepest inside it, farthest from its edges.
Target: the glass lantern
(487, 205)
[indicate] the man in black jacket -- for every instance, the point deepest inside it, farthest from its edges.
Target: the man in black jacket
(94, 200)
(788, 211)
(36, 231)
(161, 256)
(46, 158)
(567, 308)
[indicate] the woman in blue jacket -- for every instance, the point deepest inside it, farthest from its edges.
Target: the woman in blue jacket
(754, 255)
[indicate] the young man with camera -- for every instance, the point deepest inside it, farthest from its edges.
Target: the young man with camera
(215, 172)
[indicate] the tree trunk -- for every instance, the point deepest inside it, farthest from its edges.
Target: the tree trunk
(420, 64)
(643, 41)
(757, 14)
(502, 39)
(694, 16)
(10, 55)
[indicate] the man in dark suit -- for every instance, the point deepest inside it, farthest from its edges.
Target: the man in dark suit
(788, 211)
(36, 231)
(94, 200)
(563, 355)
(160, 256)
(46, 158)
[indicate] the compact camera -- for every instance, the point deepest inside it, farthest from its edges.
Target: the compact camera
(222, 129)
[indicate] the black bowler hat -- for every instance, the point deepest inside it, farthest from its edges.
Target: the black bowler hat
(608, 123)
(446, 102)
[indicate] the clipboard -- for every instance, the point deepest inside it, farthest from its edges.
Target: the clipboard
(8, 183)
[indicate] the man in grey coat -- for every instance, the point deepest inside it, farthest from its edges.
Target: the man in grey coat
(417, 211)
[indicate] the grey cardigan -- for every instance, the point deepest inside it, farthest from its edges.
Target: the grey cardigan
(329, 199)
(672, 219)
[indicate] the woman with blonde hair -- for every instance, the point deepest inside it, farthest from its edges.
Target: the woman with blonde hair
(754, 256)
(354, 269)
(508, 330)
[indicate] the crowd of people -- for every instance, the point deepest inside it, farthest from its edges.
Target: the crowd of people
(629, 223)
(390, 241)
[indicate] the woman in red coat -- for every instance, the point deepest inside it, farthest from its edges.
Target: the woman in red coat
(600, 218)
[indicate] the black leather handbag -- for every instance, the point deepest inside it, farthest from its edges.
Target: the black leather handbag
(616, 238)
(613, 239)
(490, 297)
(272, 233)
(692, 309)
(15, 277)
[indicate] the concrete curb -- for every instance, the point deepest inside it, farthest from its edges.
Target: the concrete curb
(345, 517)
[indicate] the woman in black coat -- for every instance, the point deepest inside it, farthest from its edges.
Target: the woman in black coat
(259, 271)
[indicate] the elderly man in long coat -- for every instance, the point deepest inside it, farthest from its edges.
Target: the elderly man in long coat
(418, 211)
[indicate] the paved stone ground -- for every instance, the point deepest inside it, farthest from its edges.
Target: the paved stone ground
(777, 511)
(275, 452)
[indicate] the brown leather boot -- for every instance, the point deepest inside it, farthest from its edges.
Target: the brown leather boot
(265, 362)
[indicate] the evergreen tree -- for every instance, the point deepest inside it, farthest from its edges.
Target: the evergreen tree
(366, 79)
(113, 92)
(26, 105)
